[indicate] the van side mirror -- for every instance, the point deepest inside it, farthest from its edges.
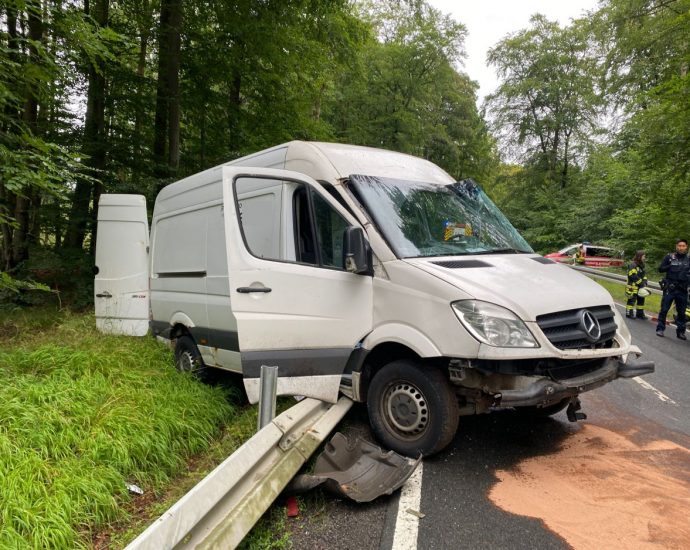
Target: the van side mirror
(357, 252)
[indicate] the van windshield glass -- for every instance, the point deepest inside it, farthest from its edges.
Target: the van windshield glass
(424, 219)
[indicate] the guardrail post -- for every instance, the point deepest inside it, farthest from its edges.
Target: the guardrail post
(267, 395)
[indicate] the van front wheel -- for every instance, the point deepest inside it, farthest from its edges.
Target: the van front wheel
(188, 358)
(412, 408)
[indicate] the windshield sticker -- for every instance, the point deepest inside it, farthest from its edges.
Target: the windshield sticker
(454, 230)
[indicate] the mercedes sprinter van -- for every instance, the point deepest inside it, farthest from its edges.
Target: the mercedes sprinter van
(361, 271)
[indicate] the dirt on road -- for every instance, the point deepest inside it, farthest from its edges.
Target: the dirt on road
(604, 489)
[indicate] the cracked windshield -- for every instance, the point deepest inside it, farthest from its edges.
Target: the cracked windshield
(423, 219)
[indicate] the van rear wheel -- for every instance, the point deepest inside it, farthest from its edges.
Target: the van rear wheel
(412, 408)
(188, 358)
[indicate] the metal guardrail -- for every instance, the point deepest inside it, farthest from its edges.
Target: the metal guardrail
(220, 510)
(651, 286)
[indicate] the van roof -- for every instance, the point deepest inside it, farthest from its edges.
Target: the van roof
(323, 161)
(335, 161)
(356, 159)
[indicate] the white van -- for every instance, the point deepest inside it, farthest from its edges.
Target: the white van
(360, 271)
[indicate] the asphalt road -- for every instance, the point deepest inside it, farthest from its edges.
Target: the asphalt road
(619, 479)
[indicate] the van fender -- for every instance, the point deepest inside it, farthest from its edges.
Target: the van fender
(164, 332)
(180, 318)
(402, 334)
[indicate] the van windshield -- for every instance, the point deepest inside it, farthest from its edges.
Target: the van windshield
(424, 219)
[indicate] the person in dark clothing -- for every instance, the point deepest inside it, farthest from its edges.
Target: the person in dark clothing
(676, 266)
(637, 280)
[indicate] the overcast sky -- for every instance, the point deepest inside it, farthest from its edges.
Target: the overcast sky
(488, 21)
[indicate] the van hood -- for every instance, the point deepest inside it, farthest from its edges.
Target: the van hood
(527, 284)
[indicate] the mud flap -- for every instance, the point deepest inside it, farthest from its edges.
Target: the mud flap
(357, 469)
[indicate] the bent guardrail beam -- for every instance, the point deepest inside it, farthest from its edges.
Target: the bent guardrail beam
(220, 510)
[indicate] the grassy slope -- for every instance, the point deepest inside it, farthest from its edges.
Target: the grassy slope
(80, 415)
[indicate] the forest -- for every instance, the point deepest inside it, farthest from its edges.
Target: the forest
(587, 136)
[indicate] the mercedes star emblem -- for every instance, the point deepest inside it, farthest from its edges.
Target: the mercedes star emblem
(590, 325)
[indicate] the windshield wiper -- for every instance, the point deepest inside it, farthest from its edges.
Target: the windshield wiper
(504, 251)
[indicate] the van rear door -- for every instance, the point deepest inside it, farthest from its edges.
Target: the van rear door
(295, 304)
(121, 286)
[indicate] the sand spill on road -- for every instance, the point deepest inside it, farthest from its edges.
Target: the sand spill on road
(602, 490)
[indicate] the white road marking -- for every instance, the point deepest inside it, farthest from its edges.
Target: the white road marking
(646, 385)
(406, 523)
(665, 398)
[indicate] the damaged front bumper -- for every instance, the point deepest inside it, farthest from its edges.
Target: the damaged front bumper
(545, 391)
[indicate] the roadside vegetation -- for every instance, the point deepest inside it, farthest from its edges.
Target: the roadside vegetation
(652, 303)
(82, 415)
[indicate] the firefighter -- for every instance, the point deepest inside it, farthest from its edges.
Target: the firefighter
(676, 266)
(637, 280)
(579, 256)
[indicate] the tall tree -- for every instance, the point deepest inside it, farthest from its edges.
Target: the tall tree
(27, 168)
(647, 45)
(404, 91)
(546, 106)
(167, 124)
(88, 189)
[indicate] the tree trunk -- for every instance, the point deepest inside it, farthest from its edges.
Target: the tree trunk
(202, 139)
(94, 145)
(167, 122)
(173, 77)
(566, 162)
(139, 110)
(7, 198)
(235, 103)
(22, 211)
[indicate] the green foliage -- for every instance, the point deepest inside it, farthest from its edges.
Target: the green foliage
(7, 283)
(402, 91)
(383, 74)
(252, 75)
(80, 415)
(545, 108)
(630, 187)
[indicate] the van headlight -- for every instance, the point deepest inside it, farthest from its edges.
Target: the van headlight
(493, 325)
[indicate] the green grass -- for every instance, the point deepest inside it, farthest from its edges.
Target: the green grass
(81, 414)
(617, 290)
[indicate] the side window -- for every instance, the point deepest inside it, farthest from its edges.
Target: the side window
(180, 244)
(305, 243)
(259, 203)
(288, 221)
(329, 232)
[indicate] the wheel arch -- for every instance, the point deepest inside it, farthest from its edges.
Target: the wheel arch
(383, 354)
(389, 343)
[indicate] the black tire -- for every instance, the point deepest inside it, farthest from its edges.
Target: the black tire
(188, 359)
(412, 408)
(543, 412)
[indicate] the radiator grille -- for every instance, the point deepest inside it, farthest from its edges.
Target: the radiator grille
(568, 329)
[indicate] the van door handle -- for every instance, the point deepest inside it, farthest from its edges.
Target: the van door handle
(105, 294)
(248, 289)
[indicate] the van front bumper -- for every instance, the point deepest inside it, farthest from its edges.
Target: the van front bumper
(545, 391)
